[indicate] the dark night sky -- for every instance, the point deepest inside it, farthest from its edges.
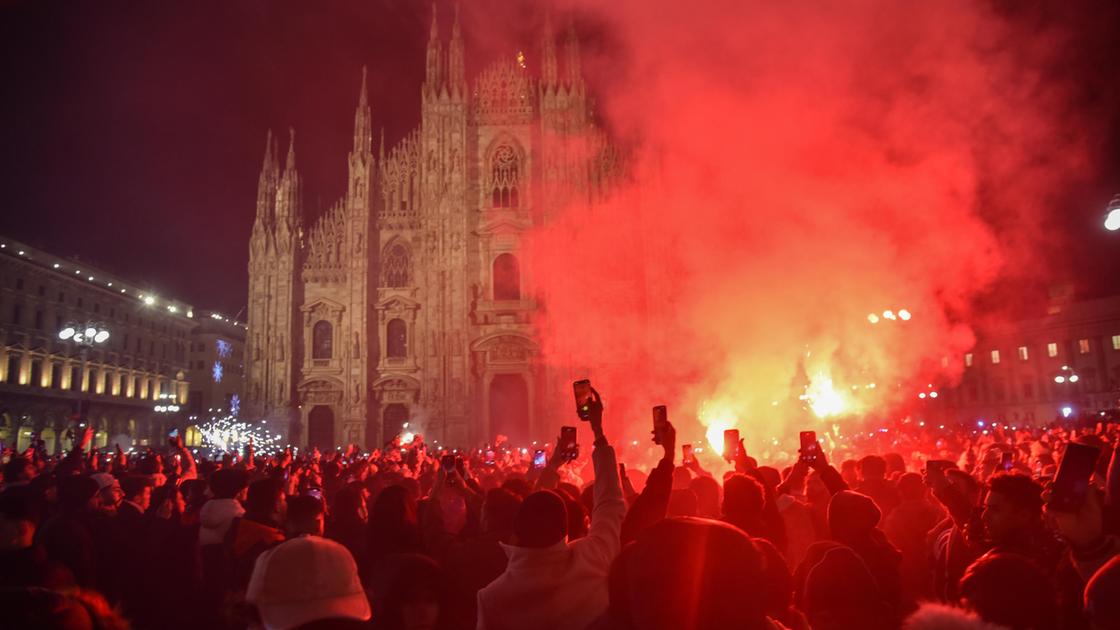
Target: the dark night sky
(132, 132)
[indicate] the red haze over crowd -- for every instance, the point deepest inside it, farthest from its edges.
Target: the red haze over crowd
(795, 167)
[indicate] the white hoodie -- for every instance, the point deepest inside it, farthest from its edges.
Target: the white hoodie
(215, 518)
(932, 616)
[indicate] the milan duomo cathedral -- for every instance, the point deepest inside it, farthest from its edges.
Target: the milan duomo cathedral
(408, 301)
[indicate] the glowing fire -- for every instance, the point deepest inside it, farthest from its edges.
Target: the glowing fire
(823, 398)
(717, 418)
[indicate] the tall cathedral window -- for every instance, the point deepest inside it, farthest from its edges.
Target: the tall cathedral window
(396, 339)
(394, 266)
(505, 177)
(507, 278)
(321, 340)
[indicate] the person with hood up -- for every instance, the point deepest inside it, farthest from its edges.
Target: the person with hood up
(550, 582)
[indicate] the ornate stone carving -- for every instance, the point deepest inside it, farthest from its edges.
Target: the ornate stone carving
(321, 392)
(504, 94)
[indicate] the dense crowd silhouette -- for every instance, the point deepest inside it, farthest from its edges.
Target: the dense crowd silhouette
(920, 528)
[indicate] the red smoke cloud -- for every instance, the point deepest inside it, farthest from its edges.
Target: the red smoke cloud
(794, 167)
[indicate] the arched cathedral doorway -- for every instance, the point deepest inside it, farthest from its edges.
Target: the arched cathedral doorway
(393, 420)
(509, 408)
(320, 428)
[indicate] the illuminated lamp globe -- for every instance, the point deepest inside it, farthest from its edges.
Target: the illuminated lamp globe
(91, 332)
(1074, 378)
(66, 333)
(1112, 215)
(904, 315)
(1059, 379)
(101, 336)
(1112, 221)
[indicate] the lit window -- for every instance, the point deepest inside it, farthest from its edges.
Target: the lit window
(1023, 353)
(1116, 342)
(968, 359)
(995, 356)
(1051, 349)
(1083, 346)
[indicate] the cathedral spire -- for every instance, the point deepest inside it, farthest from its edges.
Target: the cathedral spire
(266, 185)
(574, 74)
(269, 158)
(433, 77)
(288, 194)
(456, 69)
(363, 129)
(548, 52)
(381, 151)
(290, 165)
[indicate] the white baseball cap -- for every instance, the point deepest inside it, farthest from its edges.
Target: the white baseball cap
(306, 579)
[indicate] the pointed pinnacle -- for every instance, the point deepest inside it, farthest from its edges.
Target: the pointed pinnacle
(268, 156)
(362, 99)
(455, 33)
(292, 148)
(433, 34)
(381, 151)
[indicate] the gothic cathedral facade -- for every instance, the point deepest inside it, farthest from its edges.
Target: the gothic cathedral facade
(409, 301)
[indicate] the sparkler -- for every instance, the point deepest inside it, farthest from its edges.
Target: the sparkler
(225, 434)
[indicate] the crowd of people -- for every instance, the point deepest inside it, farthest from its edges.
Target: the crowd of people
(916, 528)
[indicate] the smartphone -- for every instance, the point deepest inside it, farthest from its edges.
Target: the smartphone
(810, 448)
(938, 466)
(730, 444)
(489, 458)
(314, 492)
(568, 445)
(539, 458)
(1008, 460)
(447, 463)
(686, 454)
(660, 419)
(582, 391)
(174, 433)
(1071, 484)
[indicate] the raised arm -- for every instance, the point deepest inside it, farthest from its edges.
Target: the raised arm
(653, 503)
(602, 542)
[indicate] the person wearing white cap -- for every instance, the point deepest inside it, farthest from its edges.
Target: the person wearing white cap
(307, 579)
(109, 492)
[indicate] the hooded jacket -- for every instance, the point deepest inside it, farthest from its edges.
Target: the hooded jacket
(565, 585)
(215, 518)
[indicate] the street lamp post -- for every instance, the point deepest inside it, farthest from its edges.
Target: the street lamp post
(85, 336)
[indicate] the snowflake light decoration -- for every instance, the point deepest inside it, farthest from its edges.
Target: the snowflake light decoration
(235, 405)
(217, 371)
(225, 348)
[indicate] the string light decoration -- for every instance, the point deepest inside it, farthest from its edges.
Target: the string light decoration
(227, 433)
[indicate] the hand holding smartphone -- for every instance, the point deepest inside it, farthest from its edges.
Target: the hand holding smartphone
(730, 444)
(660, 420)
(1071, 484)
(810, 449)
(582, 391)
(567, 445)
(687, 458)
